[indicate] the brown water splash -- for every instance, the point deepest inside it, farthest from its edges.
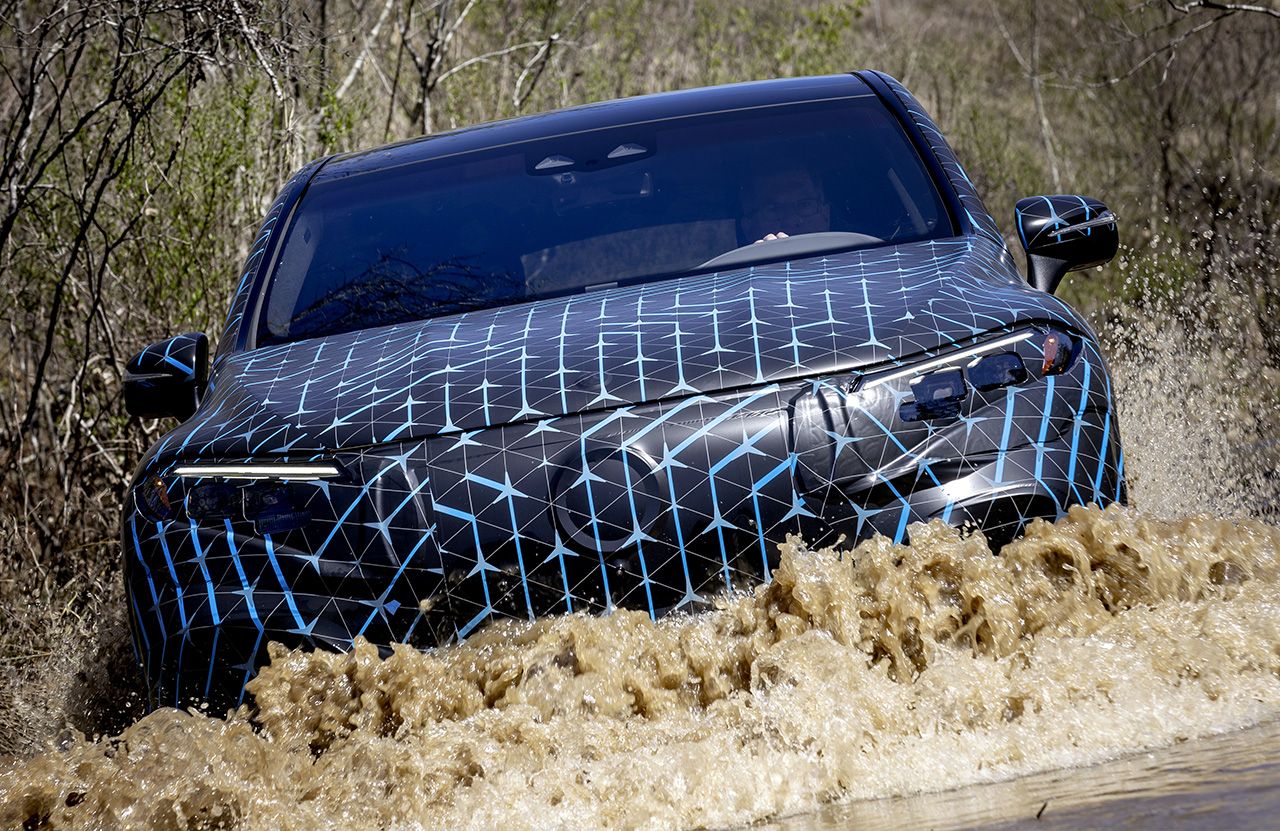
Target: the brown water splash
(882, 670)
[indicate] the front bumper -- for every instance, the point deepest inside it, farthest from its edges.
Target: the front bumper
(655, 507)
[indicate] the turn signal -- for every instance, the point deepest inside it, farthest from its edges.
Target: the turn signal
(1059, 349)
(153, 496)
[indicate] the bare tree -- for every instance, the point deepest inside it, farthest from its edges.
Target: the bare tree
(431, 33)
(82, 85)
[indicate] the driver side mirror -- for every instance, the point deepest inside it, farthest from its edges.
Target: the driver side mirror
(167, 379)
(1064, 233)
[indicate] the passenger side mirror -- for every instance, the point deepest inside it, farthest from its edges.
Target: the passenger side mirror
(167, 379)
(1064, 233)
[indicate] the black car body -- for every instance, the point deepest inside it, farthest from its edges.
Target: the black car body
(407, 465)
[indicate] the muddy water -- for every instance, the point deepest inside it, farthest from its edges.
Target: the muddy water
(1226, 781)
(872, 673)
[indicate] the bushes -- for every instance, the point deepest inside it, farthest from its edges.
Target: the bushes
(142, 142)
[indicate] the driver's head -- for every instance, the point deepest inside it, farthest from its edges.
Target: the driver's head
(785, 198)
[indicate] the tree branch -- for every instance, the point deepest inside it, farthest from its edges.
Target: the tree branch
(1230, 8)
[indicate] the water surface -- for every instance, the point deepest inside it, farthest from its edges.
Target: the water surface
(867, 674)
(1225, 781)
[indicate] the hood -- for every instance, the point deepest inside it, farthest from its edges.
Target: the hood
(646, 343)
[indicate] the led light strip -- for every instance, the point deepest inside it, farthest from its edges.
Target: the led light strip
(301, 473)
(981, 349)
(1107, 218)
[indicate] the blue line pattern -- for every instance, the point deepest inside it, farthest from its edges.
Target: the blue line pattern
(642, 447)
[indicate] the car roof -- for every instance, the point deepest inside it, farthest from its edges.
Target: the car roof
(638, 109)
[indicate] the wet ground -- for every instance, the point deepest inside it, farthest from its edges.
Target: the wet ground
(1226, 781)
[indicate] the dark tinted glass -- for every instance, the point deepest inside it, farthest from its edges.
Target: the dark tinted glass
(997, 371)
(590, 210)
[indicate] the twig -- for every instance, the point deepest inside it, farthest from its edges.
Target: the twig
(364, 51)
(487, 56)
(1212, 5)
(251, 37)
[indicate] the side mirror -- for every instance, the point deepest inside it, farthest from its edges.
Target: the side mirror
(167, 379)
(1064, 233)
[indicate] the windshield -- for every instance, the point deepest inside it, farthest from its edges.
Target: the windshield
(596, 209)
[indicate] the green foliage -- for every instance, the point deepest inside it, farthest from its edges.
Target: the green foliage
(338, 122)
(136, 226)
(1183, 145)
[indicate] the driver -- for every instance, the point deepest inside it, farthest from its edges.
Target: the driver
(781, 202)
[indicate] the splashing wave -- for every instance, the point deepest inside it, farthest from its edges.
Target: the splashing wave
(882, 670)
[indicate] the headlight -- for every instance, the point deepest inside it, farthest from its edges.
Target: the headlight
(272, 496)
(939, 386)
(960, 357)
(1002, 369)
(213, 501)
(937, 395)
